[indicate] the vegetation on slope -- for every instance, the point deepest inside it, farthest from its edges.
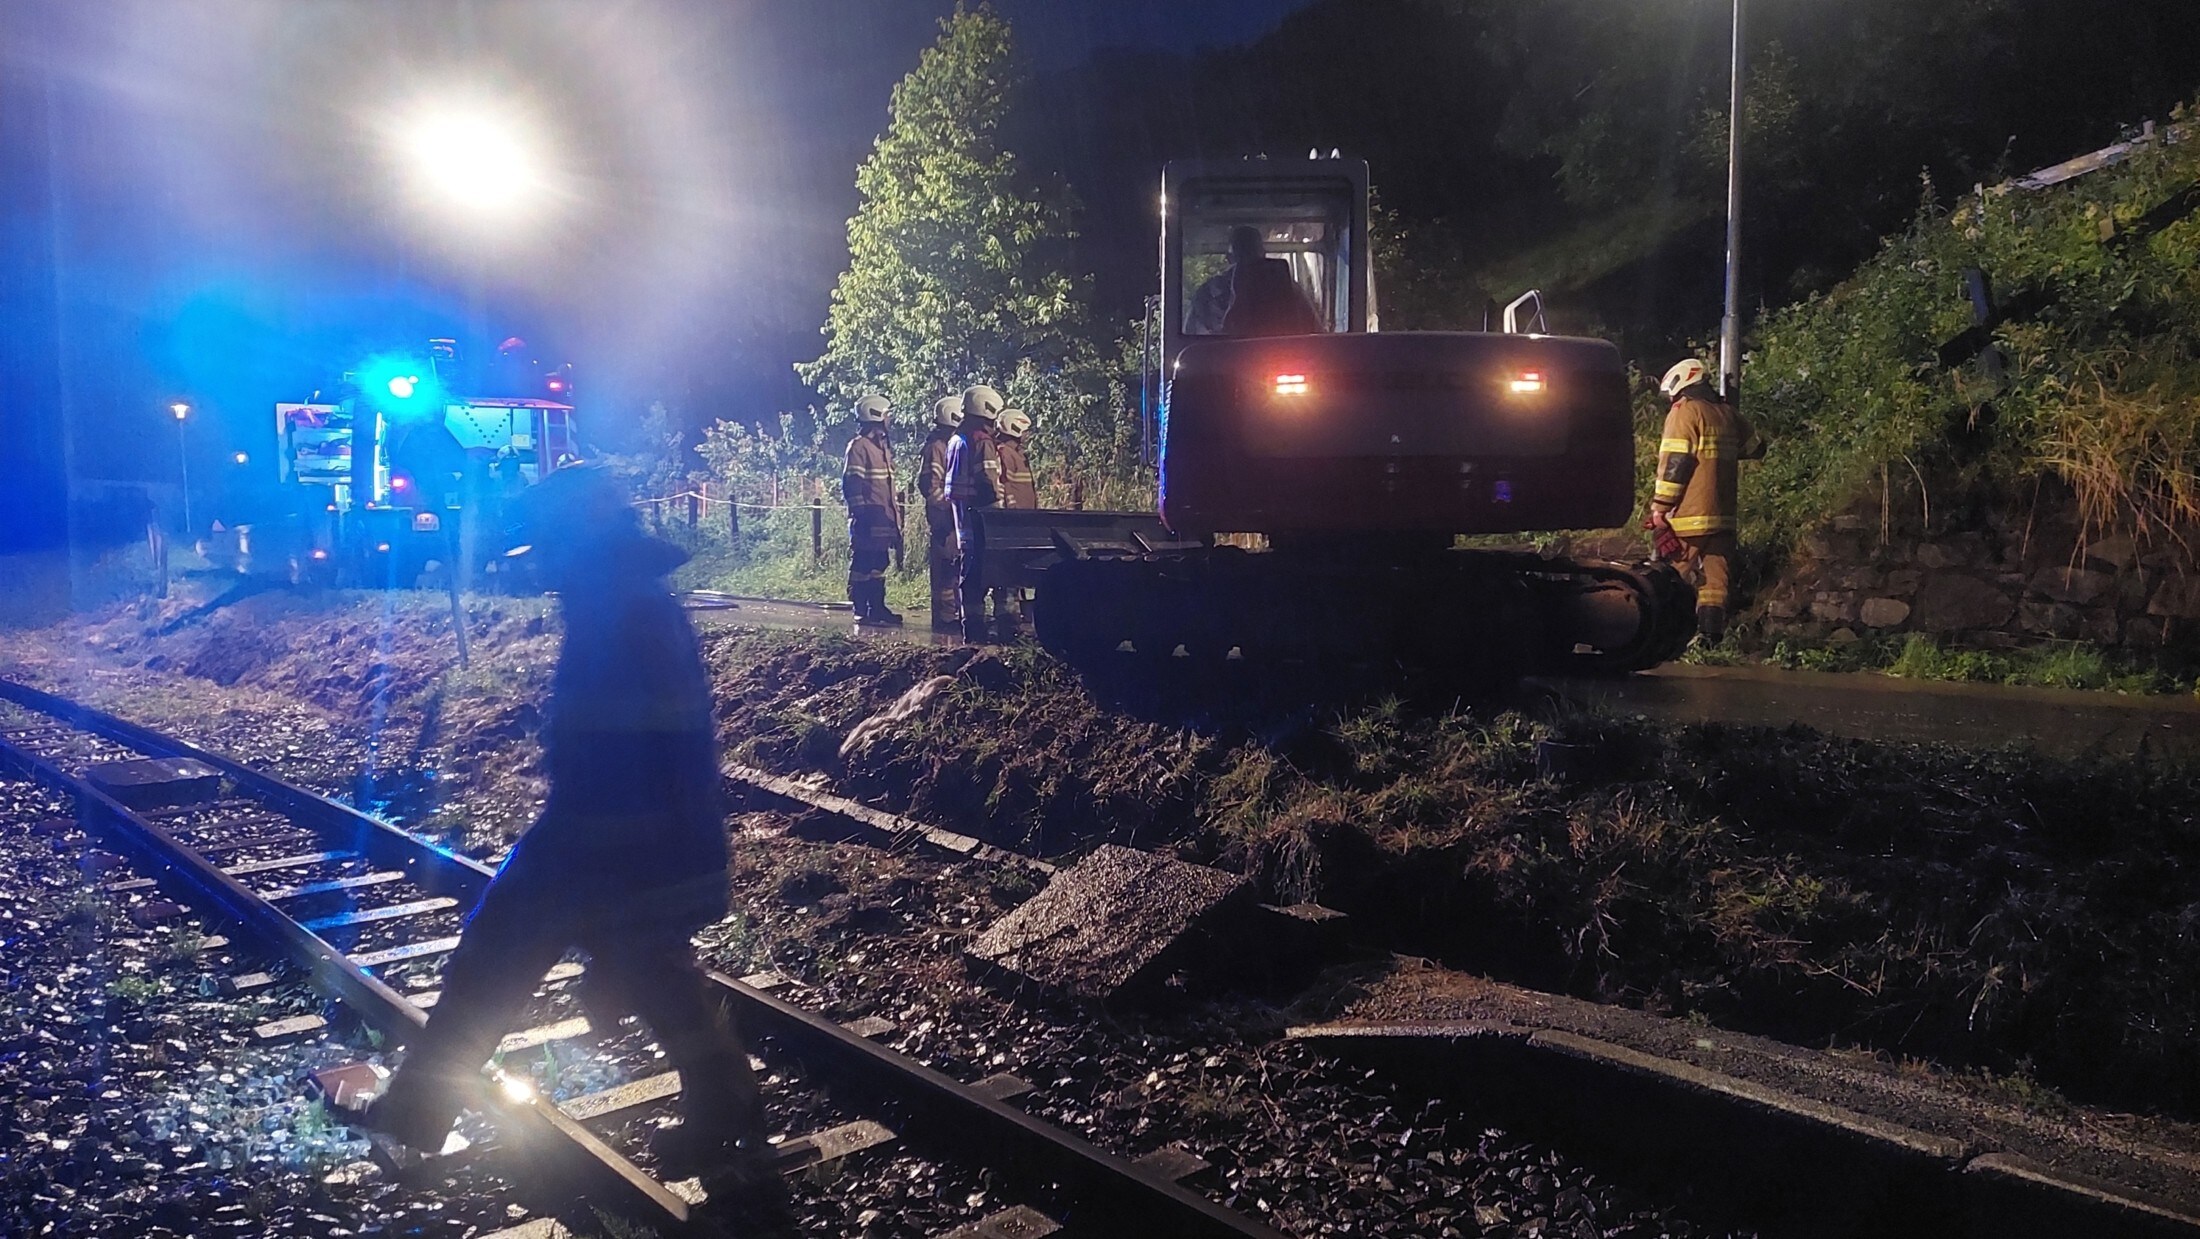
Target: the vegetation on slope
(2097, 290)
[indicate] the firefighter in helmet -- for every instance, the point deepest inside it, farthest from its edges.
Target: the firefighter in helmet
(874, 512)
(1019, 490)
(973, 485)
(939, 512)
(1692, 510)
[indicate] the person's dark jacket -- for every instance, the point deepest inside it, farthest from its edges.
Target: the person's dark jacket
(629, 747)
(1266, 301)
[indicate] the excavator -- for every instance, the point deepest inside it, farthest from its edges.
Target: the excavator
(1332, 492)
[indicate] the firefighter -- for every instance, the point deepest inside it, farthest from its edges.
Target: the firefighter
(1692, 510)
(874, 512)
(1019, 490)
(939, 512)
(973, 485)
(627, 859)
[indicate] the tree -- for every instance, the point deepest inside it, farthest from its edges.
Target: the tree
(954, 273)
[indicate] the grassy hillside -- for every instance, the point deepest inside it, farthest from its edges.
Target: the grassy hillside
(2097, 288)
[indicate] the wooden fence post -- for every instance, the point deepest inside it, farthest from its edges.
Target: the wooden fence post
(817, 523)
(695, 509)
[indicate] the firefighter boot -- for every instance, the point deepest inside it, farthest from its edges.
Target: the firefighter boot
(879, 614)
(1711, 624)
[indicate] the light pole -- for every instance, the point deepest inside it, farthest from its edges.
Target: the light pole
(183, 462)
(1730, 323)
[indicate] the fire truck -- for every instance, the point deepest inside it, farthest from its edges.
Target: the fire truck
(402, 474)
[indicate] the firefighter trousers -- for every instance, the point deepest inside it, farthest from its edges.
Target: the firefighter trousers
(1710, 565)
(866, 570)
(940, 560)
(639, 963)
(970, 541)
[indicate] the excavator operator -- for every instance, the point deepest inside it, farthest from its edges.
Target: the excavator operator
(1254, 296)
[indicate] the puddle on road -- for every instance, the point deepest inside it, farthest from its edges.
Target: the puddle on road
(2062, 723)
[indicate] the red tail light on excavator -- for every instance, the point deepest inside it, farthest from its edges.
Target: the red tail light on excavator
(1291, 385)
(1528, 383)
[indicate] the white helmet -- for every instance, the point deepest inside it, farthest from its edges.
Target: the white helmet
(871, 410)
(947, 411)
(1015, 423)
(981, 402)
(1685, 374)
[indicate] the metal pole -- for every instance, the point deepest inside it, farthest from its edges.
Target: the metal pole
(183, 460)
(1730, 325)
(1145, 382)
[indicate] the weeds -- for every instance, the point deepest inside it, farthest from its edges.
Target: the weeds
(184, 946)
(135, 991)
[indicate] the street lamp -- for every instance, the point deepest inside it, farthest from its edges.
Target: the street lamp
(183, 462)
(1730, 323)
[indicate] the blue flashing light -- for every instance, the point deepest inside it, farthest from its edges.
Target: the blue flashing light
(402, 387)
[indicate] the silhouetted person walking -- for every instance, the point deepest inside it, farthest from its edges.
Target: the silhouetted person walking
(628, 858)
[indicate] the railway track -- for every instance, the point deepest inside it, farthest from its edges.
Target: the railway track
(366, 913)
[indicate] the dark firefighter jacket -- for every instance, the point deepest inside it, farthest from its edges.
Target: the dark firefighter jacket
(629, 748)
(974, 466)
(1699, 458)
(867, 486)
(1019, 489)
(932, 475)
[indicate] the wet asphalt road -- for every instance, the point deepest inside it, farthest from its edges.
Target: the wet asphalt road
(2058, 722)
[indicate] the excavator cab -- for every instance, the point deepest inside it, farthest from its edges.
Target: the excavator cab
(1309, 221)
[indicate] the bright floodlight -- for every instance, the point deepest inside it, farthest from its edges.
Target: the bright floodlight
(401, 386)
(180, 410)
(472, 158)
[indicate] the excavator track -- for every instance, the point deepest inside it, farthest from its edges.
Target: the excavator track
(1482, 616)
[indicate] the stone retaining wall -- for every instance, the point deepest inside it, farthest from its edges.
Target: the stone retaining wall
(2006, 582)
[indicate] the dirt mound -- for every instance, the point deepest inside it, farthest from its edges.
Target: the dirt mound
(1994, 910)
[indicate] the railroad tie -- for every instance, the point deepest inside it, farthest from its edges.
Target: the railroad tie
(127, 885)
(307, 890)
(1002, 1087)
(563, 972)
(388, 912)
(1016, 1222)
(1174, 1163)
(632, 1095)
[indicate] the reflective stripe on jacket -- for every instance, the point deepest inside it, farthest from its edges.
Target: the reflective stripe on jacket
(932, 475)
(1019, 489)
(867, 476)
(1699, 458)
(974, 468)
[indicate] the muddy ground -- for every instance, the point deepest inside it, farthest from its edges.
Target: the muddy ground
(1992, 910)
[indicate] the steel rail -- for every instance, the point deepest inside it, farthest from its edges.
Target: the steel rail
(1106, 1188)
(1101, 1186)
(539, 1131)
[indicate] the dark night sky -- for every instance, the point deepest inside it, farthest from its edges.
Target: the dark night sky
(196, 196)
